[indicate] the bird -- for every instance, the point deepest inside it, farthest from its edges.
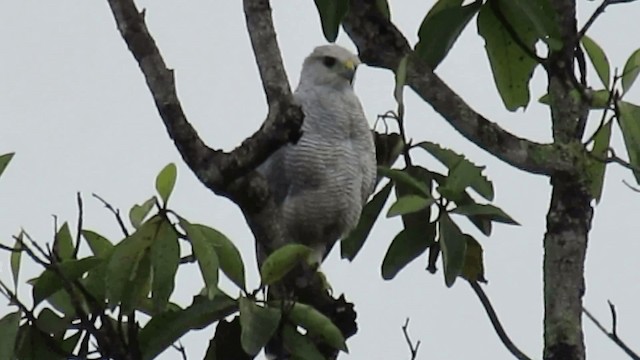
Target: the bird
(321, 183)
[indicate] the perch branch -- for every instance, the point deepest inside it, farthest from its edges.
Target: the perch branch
(613, 334)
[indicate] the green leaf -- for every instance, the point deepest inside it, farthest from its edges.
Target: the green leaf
(165, 258)
(405, 247)
(598, 59)
(453, 244)
(258, 323)
(63, 243)
(409, 204)
(49, 322)
(98, 244)
(512, 67)
(206, 255)
(596, 168)
(600, 99)
(166, 181)
(473, 269)
(300, 346)
(138, 213)
(351, 245)
(629, 121)
(123, 263)
(317, 325)
(404, 178)
(331, 14)
(166, 328)
(16, 256)
(228, 255)
(4, 161)
(492, 212)
(540, 16)
(9, 325)
(281, 261)
(629, 74)
(49, 282)
(462, 172)
(139, 285)
(441, 27)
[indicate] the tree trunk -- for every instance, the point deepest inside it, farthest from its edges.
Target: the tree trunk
(565, 245)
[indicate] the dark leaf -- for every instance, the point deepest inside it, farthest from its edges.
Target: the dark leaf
(49, 322)
(462, 172)
(512, 67)
(9, 325)
(137, 289)
(49, 282)
(300, 346)
(331, 14)
(63, 243)
(473, 269)
(409, 204)
(4, 161)
(453, 245)
(441, 28)
(317, 325)
(388, 148)
(406, 246)
(166, 328)
(404, 178)
(258, 325)
(16, 256)
(99, 245)
(351, 245)
(488, 211)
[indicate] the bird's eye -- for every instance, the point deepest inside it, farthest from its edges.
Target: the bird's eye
(328, 61)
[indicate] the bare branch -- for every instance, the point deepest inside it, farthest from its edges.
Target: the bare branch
(412, 348)
(115, 213)
(613, 335)
(381, 44)
(214, 168)
(497, 326)
(79, 230)
(599, 11)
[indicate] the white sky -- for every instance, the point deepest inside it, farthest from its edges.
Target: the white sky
(76, 110)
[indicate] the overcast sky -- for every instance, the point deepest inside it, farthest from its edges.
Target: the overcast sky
(75, 109)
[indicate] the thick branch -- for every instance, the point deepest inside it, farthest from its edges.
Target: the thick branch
(214, 168)
(381, 44)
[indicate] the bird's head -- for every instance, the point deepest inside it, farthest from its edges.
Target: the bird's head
(330, 65)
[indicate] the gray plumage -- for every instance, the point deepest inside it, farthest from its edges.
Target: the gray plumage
(322, 182)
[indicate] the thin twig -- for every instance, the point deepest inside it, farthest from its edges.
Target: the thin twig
(597, 13)
(115, 212)
(631, 187)
(180, 348)
(497, 326)
(412, 348)
(79, 229)
(613, 335)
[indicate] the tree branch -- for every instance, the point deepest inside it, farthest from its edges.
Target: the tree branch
(497, 326)
(216, 169)
(381, 44)
(412, 348)
(599, 11)
(613, 335)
